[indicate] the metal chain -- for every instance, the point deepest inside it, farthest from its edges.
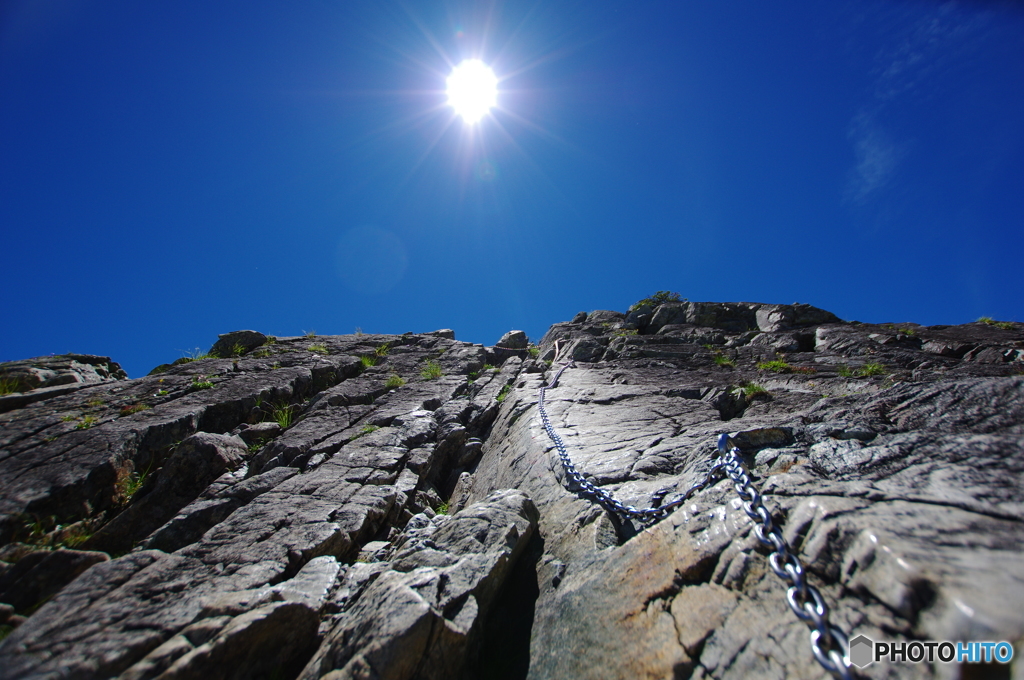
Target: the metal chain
(599, 495)
(829, 643)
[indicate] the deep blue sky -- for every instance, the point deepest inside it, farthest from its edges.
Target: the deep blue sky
(174, 170)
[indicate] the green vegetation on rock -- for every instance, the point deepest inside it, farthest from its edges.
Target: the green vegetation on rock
(432, 370)
(659, 298)
(199, 382)
(751, 389)
(722, 360)
(367, 429)
(127, 484)
(86, 423)
(775, 366)
(8, 385)
(870, 369)
(1005, 325)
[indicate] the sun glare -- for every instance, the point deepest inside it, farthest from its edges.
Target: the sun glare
(472, 90)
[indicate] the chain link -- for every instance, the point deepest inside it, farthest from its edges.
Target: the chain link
(829, 643)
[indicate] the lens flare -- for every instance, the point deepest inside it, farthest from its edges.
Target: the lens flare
(472, 90)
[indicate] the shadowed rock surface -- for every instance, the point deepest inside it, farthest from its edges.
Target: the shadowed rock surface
(390, 506)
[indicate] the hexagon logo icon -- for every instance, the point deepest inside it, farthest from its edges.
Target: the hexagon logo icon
(862, 649)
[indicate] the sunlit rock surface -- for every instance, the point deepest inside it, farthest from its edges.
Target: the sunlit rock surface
(390, 506)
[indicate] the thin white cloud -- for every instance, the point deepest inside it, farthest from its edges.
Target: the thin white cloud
(878, 158)
(920, 50)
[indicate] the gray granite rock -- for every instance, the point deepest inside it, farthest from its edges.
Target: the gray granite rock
(192, 466)
(39, 575)
(63, 369)
(513, 340)
(421, 617)
(237, 343)
(43, 378)
(306, 515)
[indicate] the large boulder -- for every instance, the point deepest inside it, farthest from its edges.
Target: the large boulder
(33, 380)
(237, 343)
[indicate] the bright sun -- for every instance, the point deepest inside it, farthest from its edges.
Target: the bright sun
(472, 90)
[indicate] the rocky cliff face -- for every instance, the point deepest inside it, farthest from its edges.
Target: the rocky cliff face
(391, 506)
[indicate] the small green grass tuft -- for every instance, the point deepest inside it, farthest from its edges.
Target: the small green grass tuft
(659, 298)
(129, 409)
(383, 350)
(367, 429)
(87, 422)
(1005, 325)
(284, 414)
(368, 360)
(195, 355)
(625, 333)
(443, 509)
(199, 382)
(309, 334)
(319, 348)
(504, 393)
(432, 370)
(394, 380)
(751, 389)
(722, 360)
(271, 340)
(533, 351)
(9, 385)
(845, 371)
(871, 369)
(162, 393)
(68, 418)
(775, 366)
(94, 402)
(238, 349)
(127, 484)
